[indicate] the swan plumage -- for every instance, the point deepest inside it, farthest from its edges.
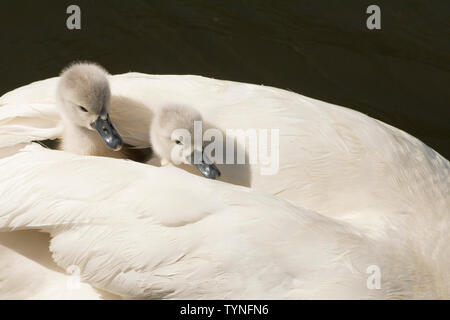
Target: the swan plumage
(350, 192)
(332, 159)
(224, 241)
(27, 271)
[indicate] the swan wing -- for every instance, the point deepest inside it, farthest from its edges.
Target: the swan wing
(331, 158)
(144, 232)
(27, 271)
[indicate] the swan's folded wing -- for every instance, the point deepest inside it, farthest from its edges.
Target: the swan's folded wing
(146, 232)
(28, 113)
(323, 149)
(27, 271)
(21, 123)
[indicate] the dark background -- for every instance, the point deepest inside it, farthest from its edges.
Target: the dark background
(322, 49)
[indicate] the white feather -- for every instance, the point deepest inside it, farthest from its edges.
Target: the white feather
(140, 231)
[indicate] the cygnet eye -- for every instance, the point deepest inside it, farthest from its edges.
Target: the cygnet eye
(178, 142)
(83, 109)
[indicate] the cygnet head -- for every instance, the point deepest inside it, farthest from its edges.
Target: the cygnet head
(172, 137)
(84, 99)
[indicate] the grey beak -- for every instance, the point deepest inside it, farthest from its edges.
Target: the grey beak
(108, 133)
(204, 165)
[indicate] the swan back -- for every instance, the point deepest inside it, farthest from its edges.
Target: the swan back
(197, 238)
(335, 160)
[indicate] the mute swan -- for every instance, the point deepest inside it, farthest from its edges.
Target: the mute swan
(383, 185)
(333, 160)
(215, 241)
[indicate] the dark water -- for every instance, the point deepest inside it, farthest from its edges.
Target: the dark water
(399, 74)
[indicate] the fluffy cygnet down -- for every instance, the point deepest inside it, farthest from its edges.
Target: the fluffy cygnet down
(84, 98)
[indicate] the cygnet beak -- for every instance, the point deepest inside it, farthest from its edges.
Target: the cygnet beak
(204, 165)
(107, 131)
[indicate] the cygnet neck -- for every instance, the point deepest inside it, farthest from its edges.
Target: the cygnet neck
(80, 140)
